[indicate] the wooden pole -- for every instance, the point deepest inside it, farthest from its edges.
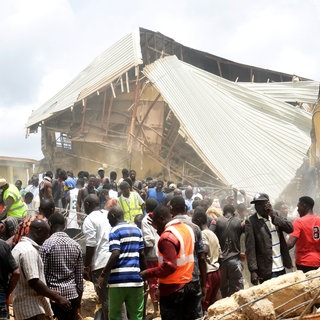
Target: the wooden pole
(147, 113)
(84, 103)
(109, 114)
(104, 105)
(219, 69)
(133, 114)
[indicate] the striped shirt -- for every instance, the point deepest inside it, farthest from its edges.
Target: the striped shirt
(26, 301)
(63, 265)
(277, 264)
(126, 238)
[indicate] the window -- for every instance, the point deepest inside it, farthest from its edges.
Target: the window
(63, 141)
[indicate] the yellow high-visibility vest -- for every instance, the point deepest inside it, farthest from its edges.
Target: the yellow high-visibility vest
(131, 210)
(17, 209)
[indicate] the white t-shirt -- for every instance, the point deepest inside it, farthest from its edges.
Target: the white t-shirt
(150, 238)
(211, 240)
(72, 222)
(96, 228)
(113, 194)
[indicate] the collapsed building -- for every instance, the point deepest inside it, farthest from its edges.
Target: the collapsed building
(170, 111)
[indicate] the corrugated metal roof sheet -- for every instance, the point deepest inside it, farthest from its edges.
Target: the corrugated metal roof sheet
(301, 91)
(250, 140)
(110, 65)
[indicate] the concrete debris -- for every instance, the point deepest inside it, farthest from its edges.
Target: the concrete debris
(223, 307)
(262, 309)
(283, 297)
(89, 301)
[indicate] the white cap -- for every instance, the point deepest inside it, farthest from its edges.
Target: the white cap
(3, 182)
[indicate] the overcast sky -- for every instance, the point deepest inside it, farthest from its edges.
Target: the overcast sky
(46, 43)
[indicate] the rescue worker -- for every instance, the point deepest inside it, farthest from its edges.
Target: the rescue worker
(176, 263)
(130, 202)
(13, 203)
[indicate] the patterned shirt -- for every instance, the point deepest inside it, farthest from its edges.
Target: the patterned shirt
(126, 238)
(63, 265)
(26, 301)
(24, 227)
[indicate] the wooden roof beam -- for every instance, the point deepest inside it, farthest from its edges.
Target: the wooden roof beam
(219, 68)
(147, 113)
(104, 106)
(172, 146)
(109, 114)
(84, 104)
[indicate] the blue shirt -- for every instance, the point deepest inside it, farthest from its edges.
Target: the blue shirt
(70, 183)
(127, 238)
(159, 196)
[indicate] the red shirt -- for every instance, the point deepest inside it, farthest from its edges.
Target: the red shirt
(169, 246)
(307, 232)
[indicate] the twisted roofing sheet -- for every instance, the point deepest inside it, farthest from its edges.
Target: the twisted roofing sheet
(245, 133)
(110, 65)
(250, 140)
(301, 91)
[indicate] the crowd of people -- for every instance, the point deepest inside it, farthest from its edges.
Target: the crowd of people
(183, 246)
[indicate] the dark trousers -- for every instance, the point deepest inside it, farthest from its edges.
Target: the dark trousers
(66, 315)
(182, 304)
(273, 275)
(278, 273)
(102, 294)
(231, 279)
(4, 314)
(305, 269)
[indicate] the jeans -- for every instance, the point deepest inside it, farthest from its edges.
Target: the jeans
(278, 273)
(4, 315)
(231, 276)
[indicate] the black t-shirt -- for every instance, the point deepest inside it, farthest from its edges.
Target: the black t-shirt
(7, 263)
(228, 232)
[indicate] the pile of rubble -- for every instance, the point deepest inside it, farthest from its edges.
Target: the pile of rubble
(279, 298)
(89, 301)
